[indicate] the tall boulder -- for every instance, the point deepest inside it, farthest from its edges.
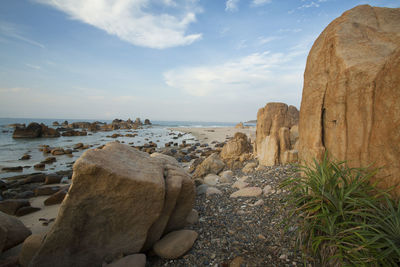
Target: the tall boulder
(33, 130)
(351, 95)
(270, 139)
(117, 198)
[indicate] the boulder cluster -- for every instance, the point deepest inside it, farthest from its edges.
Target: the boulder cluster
(36, 130)
(121, 202)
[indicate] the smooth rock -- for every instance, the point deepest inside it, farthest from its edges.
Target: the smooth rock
(12, 231)
(226, 176)
(213, 191)
(247, 192)
(212, 164)
(175, 244)
(201, 189)
(26, 210)
(29, 248)
(10, 206)
(240, 184)
(211, 179)
(249, 167)
(193, 217)
(52, 179)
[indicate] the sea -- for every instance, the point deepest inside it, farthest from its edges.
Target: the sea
(11, 150)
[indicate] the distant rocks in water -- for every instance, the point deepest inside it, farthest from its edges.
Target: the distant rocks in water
(25, 157)
(147, 122)
(35, 130)
(351, 95)
(13, 169)
(121, 201)
(74, 133)
(274, 145)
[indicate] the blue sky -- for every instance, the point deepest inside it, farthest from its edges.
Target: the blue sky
(198, 60)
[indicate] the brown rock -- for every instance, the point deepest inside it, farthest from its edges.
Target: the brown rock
(247, 192)
(57, 151)
(47, 132)
(351, 95)
(56, 198)
(36, 178)
(25, 157)
(29, 248)
(26, 210)
(270, 120)
(49, 160)
(175, 244)
(117, 187)
(10, 206)
(33, 130)
(235, 147)
(39, 166)
(46, 191)
(52, 179)
(212, 164)
(12, 231)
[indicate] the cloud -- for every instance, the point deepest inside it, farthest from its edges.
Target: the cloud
(231, 5)
(140, 22)
(14, 90)
(312, 4)
(264, 40)
(260, 2)
(12, 31)
(272, 75)
(36, 67)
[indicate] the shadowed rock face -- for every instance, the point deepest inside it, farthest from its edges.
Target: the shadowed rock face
(120, 199)
(350, 103)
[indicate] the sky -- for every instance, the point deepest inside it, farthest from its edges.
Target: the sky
(186, 60)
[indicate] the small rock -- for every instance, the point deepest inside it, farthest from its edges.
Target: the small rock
(25, 157)
(175, 244)
(201, 189)
(39, 166)
(211, 179)
(52, 179)
(240, 185)
(10, 206)
(46, 191)
(13, 169)
(247, 192)
(26, 210)
(56, 198)
(249, 167)
(267, 190)
(226, 176)
(213, 191)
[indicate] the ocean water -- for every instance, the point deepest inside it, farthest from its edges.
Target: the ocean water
(11, 150)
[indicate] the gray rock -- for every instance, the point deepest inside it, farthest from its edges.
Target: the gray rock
(175, 244)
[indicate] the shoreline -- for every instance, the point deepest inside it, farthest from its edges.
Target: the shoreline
(216, 134)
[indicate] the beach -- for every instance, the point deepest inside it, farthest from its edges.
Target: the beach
(216, 134)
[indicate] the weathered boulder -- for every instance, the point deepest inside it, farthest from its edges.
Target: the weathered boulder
(47, 132)
(179, 200)
(116, 194)
(175, 244)
(12, 231)
(271, 141)
(235, 147)
(212, 164)
(121, 201)
(351, 94)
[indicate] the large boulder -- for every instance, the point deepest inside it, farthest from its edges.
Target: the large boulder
(236, 147)
(12, 231)
(47, 132)
(117, 196)
(351, 95)
(271, 141)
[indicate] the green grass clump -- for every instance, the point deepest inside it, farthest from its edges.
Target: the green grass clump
(344, 220)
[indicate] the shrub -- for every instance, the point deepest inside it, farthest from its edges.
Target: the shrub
(344, 220)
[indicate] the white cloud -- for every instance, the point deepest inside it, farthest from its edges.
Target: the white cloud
(12, 31)
(264, 40)
(14, 90)
(275, 76)
(312, 4)
(136, 21)
(36, 67)
(260, 2)
(231, 5)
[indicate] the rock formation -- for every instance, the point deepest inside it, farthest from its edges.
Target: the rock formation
(236, 147)
(120, 199)
(34, 130)
(12, 231)
(273, 142)
(350, 103)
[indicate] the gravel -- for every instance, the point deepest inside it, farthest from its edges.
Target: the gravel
(238, 232)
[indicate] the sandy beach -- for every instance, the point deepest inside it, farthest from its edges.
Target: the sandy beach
(219, 134)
